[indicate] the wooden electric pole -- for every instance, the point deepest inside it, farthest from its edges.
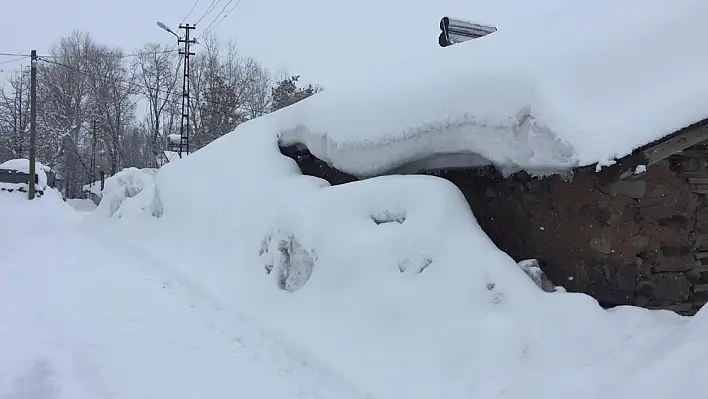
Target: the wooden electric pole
(92, 173)
(33, 126)
(184, 124)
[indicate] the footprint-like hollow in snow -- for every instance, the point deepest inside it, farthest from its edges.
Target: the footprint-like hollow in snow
(388, 217)
(293, 264)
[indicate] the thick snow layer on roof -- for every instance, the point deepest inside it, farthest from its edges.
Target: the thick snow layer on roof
(574, 84)
(22, 165)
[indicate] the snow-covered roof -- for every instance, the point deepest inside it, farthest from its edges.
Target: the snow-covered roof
(582, 82)
(23, 165)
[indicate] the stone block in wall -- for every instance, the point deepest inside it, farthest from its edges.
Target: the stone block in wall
(600, 245)
(675, 259)
(632, 188)
(640, 242)
(613, 282)
(665, 288)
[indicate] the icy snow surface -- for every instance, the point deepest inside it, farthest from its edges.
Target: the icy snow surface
(579, 83)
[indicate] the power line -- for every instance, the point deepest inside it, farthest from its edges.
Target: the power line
(209, 9)
(215, 18)
(116, 55)
(13, 60)
(190, 11)
(226, 15)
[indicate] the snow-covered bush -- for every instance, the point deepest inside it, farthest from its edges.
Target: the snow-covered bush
(130, 192)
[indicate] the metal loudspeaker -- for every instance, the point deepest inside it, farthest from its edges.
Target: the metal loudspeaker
(458, 31)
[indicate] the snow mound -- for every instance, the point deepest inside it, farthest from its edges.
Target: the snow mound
(23, 166)
(390, 281)
(395, 267)
(387, 221)
(130, 193)
(543, 95)
(12, 207)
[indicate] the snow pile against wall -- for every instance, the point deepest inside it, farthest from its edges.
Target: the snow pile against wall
(390, 281)
(396, 268)
(575, 84)
(130, 192)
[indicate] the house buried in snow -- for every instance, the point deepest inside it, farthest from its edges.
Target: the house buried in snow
(634, 233)
(586, 152)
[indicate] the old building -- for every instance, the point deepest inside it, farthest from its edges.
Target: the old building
(635, 233)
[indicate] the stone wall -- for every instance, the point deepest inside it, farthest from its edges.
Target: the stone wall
(642, 241)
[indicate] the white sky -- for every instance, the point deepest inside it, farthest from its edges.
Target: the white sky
(321, 40)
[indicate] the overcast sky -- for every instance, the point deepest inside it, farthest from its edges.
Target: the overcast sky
(322, 40)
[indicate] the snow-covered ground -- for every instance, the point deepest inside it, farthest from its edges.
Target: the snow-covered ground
(92, 319)
(82, 204)
(391, 283)
(229, 274)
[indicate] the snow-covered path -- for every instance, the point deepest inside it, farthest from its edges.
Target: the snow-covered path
(83, 319)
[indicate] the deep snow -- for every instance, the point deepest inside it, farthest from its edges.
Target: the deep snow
(92, 319)
(391, 283)
(385, 288)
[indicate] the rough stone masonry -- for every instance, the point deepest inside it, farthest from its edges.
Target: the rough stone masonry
(641, 241)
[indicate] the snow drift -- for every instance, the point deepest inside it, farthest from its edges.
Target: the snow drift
(129, 192)
(390, 282)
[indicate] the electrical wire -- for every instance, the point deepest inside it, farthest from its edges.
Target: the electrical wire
(215, 18)
(13, 60)
(226, 15)
(14, 55)
(208, 10)
(190, 11)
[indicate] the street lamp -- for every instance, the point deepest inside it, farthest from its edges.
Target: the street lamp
(165, 27)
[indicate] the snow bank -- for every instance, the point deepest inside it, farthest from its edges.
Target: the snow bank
(130, 192)
(388, 281)
(579, 83)
(50, 204)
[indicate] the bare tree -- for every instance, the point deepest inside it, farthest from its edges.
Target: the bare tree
(14, 117)
(63, 108)
(112, 91)
(158, 75)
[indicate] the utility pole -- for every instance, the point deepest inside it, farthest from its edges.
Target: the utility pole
(92, 173)
(33, 125)
(184, 124)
